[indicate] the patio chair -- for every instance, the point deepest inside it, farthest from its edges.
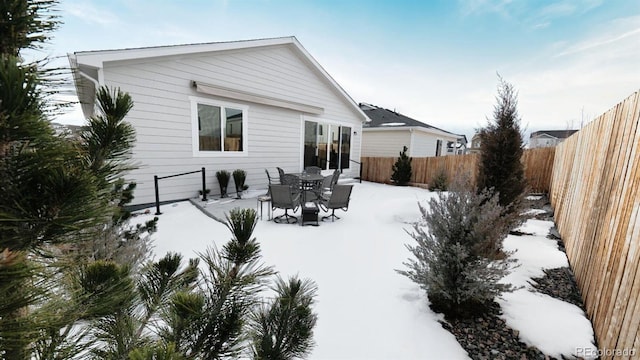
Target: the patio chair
(280, 174)
(329, 182)
(291, 180)
(272, 180)
(282, 198)
(339, 199)
(313, 170)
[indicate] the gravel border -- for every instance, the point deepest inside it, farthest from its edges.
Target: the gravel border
(487, 336)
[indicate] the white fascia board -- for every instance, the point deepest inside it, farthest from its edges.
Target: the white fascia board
(543, 135)
(411, 128)
(339, 89)
(99, 57)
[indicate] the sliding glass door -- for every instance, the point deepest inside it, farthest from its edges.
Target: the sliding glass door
(327, 146)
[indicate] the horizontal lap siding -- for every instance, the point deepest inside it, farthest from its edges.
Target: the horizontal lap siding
(424, 144)
(162, 115)
(384, 143)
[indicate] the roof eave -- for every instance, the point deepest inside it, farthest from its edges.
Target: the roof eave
(98, 58)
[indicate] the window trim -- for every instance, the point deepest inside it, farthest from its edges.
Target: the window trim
(195, 136)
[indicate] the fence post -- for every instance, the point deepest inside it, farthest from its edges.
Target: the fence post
(204, 188)
(155, 183)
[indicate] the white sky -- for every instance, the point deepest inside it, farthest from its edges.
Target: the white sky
(435, 61)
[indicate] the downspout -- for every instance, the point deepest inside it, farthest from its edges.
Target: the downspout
(411, 142)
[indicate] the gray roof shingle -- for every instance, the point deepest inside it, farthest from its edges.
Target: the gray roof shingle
(384, 118)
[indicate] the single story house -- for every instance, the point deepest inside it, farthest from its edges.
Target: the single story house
(388, 132)
(250, 105)
(548, 138)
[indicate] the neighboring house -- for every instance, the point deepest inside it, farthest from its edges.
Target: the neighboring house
(548, 138)
(388, 131)
(457, 147)
(247, 105)
(475, 144)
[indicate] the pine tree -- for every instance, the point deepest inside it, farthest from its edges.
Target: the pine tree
(48, 196)
(500, 167)
(402, 169)
(283, 329)
(458, 257)
(106, 142)
(224, 317)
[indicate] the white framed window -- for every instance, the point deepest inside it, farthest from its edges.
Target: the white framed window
(218, 128)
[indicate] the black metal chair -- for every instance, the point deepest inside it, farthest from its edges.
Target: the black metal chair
(282, 198)
(339, 199)
(280, 174)
(272, 180)
(293, 181)
(329, 182)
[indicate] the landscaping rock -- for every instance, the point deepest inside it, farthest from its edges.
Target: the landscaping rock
(487, 336)
(559, 283)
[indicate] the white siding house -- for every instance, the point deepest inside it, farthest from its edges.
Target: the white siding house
(245, 105)
(388, 132)
(548, 138)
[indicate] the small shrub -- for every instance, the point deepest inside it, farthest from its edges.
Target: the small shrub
(402, 169)
(223, 179)
(239, 177)
(440, 182)
(458, 258)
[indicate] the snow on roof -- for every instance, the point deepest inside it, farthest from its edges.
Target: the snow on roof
(393, 124)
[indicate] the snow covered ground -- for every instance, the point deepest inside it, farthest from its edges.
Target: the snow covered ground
(365, 309)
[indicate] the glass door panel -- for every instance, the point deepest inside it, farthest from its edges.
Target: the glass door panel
(310, 144)
(334, 146)
(323, 140)
(326, 146)
(345, 147)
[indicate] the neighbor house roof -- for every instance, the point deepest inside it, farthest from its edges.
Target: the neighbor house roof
(385, 119)
(89, 64)
(558, 134)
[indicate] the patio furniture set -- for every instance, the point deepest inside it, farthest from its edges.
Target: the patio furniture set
(308, 191)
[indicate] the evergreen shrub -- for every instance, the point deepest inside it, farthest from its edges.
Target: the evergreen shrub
(500, 169)
(440, 181)
(458, 256)
(402, 169)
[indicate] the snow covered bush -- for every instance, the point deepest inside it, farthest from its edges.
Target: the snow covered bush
(458, 258)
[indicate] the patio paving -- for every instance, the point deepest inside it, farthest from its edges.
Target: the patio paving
(216, 208)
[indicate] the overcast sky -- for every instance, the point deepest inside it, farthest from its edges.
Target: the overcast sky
(434, 61)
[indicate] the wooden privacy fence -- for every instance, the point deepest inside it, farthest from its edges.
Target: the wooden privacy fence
(538, 164)
(596, 195)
